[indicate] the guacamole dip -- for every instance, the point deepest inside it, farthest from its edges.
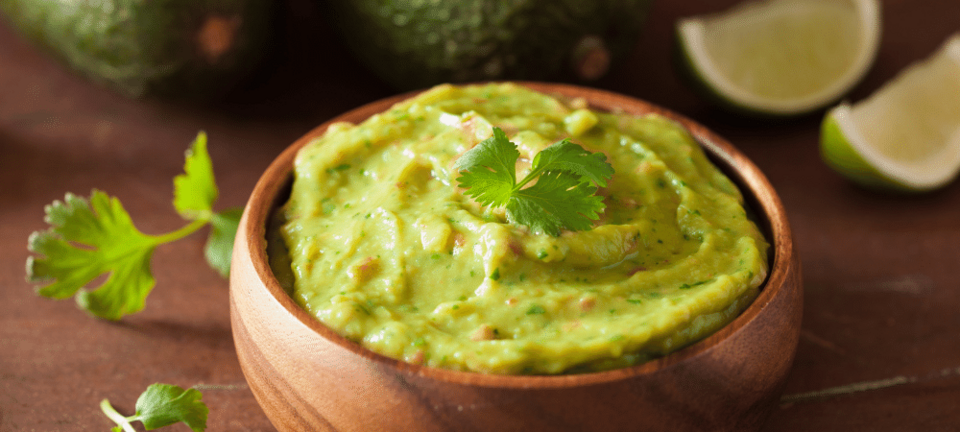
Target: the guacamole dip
(386, 250)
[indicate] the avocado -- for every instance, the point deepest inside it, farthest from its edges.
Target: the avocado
(417, 43)
(194, 49)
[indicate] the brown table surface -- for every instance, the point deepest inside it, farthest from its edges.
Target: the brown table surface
(880, 345)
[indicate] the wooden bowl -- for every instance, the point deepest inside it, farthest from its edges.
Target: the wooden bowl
(308, 378)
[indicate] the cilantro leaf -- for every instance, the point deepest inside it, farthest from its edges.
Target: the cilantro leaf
(567, 156)
(219, 248)
(162, 405)
(195, 190)
(557, 200)
(564, 195)
(95, 239)
(490, 169)
(87, 239)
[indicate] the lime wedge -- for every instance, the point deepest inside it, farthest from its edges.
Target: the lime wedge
(906, 135)
(780, 57)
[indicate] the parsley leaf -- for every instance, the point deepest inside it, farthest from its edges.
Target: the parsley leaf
(90, 238)
(162, 405)
(564, 195)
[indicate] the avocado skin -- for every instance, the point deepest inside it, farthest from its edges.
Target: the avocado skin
(145, 48)
(418, 43)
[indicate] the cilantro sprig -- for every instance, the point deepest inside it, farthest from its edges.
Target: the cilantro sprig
(92, 237)
(162, 405)
(564, 195)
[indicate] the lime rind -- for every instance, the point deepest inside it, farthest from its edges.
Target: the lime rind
(687, 67)
(841, 156)
(906, 136)
(846, 151)
(708, 77)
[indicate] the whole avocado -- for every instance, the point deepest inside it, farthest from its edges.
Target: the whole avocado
(418, 43)
(194, 49)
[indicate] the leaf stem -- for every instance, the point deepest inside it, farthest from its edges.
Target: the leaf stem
(117, 418)
(530, 176)
(190, 228)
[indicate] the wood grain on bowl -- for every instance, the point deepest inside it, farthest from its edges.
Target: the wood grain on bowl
(308, 378)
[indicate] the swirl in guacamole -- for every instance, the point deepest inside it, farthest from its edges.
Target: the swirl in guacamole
(388, 251)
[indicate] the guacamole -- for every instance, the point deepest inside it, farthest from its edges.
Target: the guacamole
(386, 250)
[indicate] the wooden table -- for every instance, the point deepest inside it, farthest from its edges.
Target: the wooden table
(880, 346)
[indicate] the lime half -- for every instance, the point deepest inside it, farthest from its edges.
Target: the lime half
(906, 135)
(780, 57)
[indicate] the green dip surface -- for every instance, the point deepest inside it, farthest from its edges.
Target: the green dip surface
(387, 251)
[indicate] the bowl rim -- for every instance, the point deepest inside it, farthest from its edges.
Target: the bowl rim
(753, 184)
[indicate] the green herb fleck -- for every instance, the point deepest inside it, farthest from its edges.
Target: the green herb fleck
(327, 205)
(338, 168)
(536, 310)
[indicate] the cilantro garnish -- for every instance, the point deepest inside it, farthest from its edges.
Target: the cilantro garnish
(162, 405)
(564, 195)
(96, 236)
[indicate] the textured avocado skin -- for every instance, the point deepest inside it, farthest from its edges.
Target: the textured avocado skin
(418, 43)
(150, 47)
